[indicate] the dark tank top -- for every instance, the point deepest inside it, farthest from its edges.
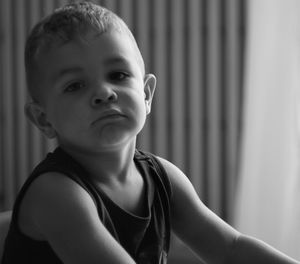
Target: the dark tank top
(146, 239)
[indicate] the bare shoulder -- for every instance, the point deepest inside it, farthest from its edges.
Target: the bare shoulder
(53, 190)
(179, 181)
(66, 216)
(56, 188)
(50, 194)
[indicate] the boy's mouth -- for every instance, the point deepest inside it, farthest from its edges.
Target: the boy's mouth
(110, 115)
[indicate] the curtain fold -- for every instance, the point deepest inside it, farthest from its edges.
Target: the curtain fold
(269, 188)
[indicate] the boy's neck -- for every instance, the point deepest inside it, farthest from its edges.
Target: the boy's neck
(107, 166)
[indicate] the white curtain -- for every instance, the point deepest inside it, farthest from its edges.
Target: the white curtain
(268, 200)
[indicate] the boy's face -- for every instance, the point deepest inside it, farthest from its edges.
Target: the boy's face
(95, 94)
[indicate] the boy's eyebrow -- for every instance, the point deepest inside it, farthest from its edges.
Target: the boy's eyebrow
(117, 60)
(67, 71)
(125, 61)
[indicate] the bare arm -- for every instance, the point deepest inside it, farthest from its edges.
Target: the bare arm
(65, 214)
(250, 250)
(5, 218)
(213, 240)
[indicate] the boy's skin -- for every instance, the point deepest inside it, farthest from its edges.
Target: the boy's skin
(95, 102)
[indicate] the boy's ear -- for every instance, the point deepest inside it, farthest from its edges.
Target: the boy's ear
(149, 88)
(35, 113)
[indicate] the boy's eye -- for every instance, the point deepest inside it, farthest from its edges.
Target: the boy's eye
(74, 86)
(118, 76)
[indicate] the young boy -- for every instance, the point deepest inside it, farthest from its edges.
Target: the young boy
(96, 199)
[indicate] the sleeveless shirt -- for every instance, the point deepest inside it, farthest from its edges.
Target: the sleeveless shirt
(146, 239)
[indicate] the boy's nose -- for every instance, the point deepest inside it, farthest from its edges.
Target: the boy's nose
(104, 95)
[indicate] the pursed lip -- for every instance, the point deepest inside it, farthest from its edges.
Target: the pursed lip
(109, 114)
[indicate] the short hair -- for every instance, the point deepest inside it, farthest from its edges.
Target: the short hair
(65, 24)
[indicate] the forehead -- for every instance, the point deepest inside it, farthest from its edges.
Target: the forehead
(111, 45)
(106, 48)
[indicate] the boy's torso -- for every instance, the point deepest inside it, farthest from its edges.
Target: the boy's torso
(138, 222)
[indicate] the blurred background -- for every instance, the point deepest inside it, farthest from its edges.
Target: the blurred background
(226, 107)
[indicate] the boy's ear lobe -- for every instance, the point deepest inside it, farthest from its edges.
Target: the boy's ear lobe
(37, 116)
(149, 88)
